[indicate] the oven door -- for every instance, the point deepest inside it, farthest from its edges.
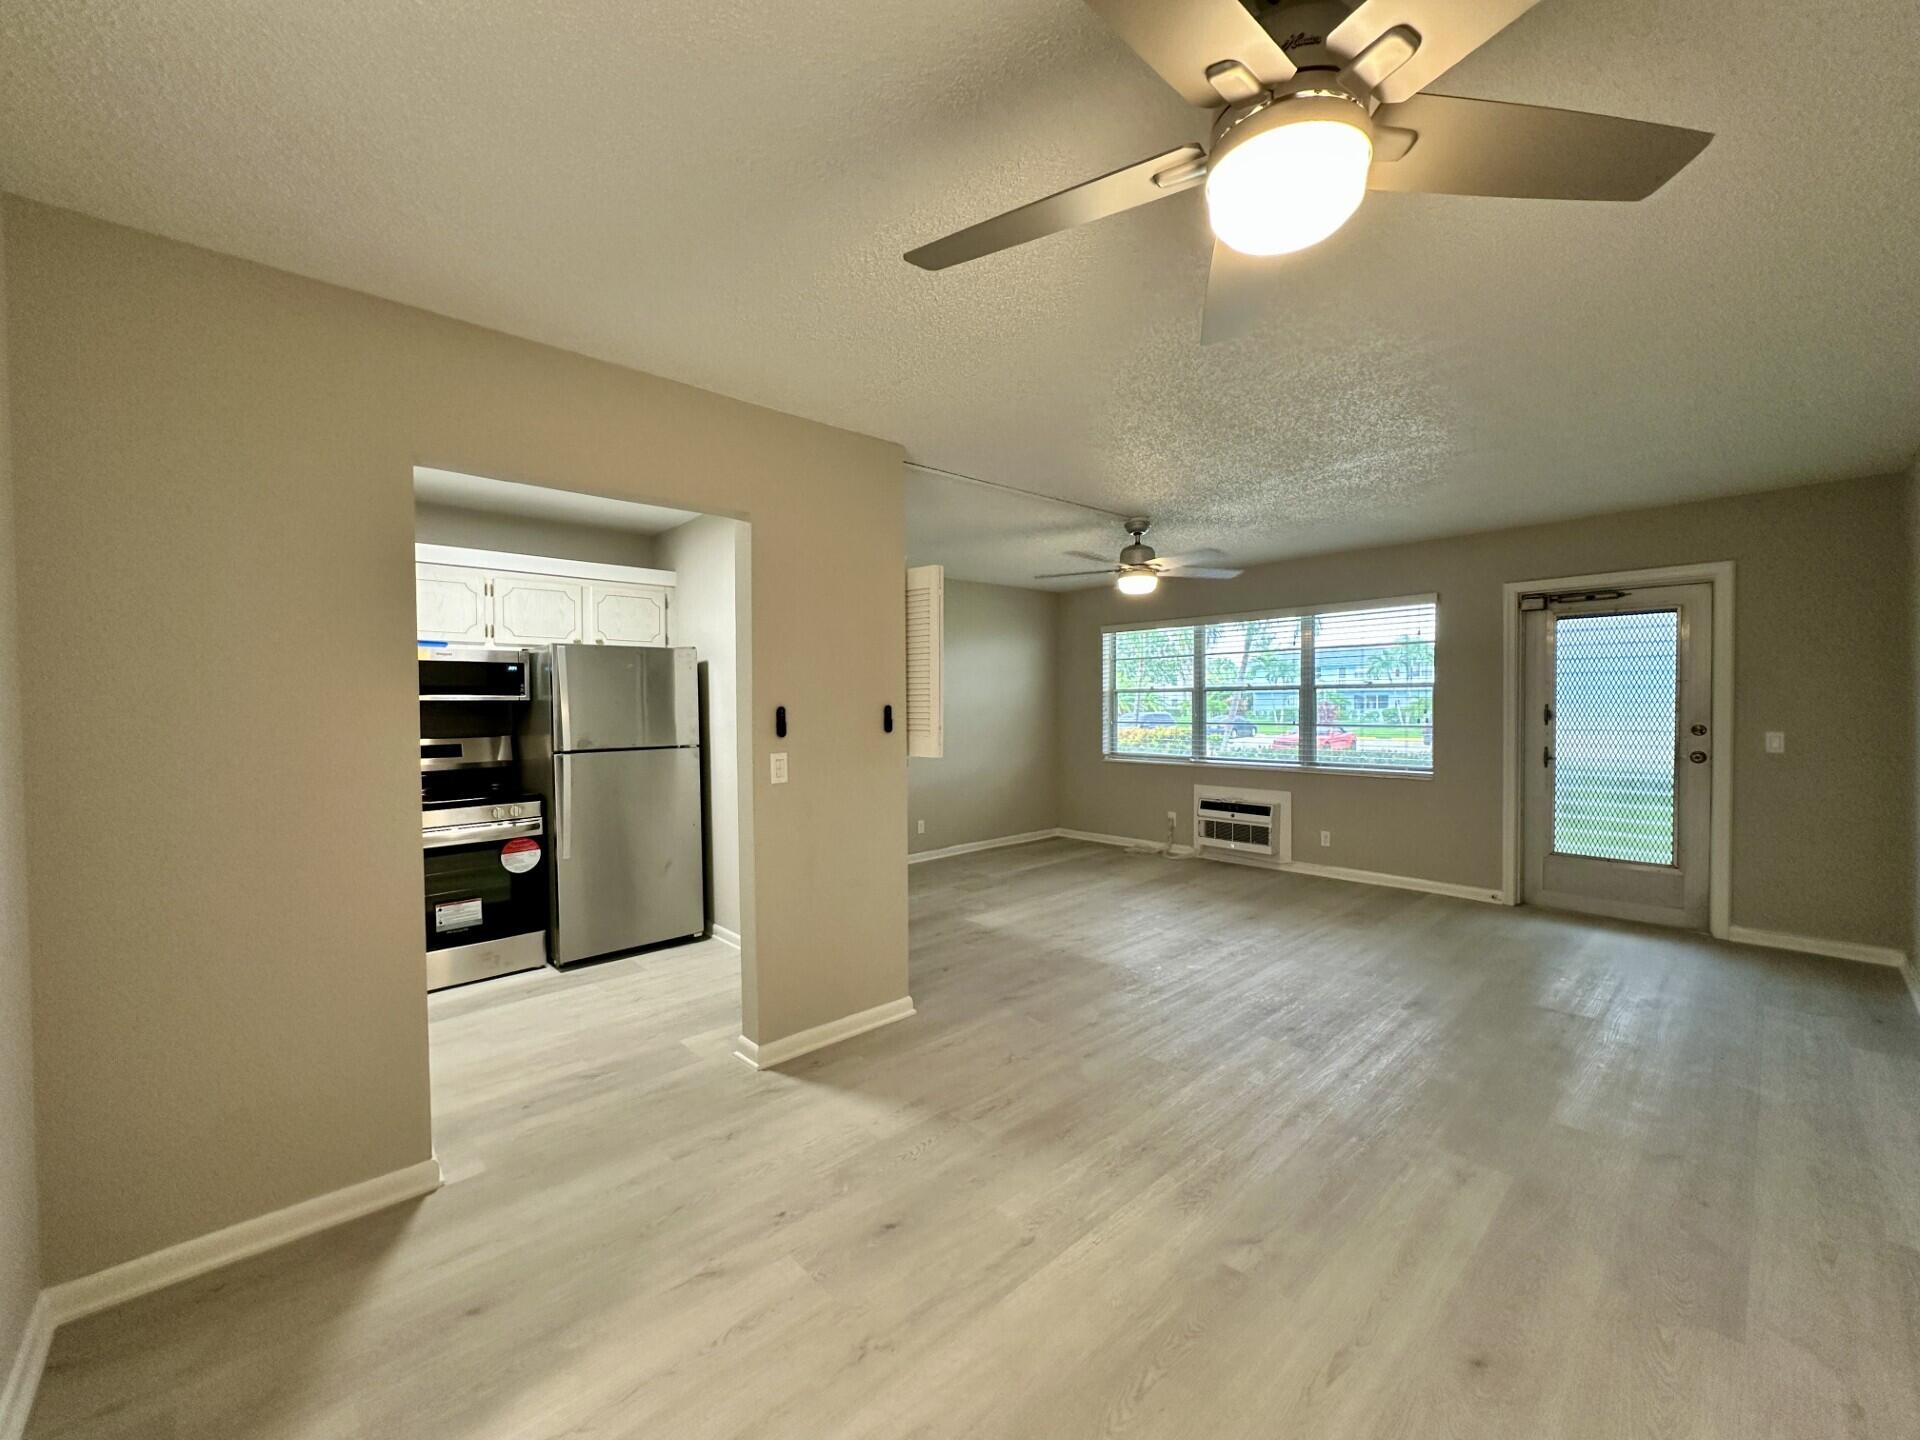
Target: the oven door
(485, 883)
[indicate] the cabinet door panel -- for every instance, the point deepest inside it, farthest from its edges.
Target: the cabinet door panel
(450, 603)
(627, 614)
(535, 610)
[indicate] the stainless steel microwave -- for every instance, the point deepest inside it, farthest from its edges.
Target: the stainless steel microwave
(465, 672)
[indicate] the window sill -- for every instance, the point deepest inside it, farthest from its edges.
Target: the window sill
(1255, 767)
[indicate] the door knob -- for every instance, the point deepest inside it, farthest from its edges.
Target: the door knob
(1698, 757)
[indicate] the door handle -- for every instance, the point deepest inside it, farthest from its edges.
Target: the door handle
(1546, 755)
(566, 806)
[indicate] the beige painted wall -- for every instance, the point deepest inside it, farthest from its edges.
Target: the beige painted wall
(435, 524)
(213, 463)
(1822, 843)
(19, 1209)
(998, 775)
(710, 559)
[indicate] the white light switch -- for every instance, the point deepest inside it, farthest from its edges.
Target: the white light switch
(1326, 837)
(923, 828)
(779, 767)
(1776, 742)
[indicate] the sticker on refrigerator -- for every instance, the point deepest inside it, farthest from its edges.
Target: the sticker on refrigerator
(520, 856)
(456, 915)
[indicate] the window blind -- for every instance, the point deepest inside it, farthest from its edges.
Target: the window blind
(1347, 688)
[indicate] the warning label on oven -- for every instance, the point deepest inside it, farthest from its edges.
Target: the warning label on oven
(520, 856)
(456, 915)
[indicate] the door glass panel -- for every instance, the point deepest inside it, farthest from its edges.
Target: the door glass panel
(1614, 726)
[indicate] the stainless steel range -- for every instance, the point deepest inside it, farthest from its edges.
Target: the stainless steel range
(483, 835)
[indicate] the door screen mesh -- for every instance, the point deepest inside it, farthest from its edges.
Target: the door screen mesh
(1615, 681)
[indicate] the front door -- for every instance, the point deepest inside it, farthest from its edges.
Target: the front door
(1619, 736)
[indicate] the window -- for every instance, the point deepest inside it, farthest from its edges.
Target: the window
(1345, 689)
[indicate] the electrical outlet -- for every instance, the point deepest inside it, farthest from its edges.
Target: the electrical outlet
(921, 828)
(1326, 837)
(779, 767)
(1776, 742)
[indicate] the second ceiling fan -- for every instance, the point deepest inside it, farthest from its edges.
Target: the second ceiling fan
(1318, 103)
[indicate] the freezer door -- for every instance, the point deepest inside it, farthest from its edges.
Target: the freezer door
(620, 697)
(627, 851)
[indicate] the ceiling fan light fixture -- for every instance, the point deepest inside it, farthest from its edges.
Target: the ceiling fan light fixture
(1288, 175)
(1138, 580)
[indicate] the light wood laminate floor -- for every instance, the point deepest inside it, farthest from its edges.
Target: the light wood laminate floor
(1172, 1149)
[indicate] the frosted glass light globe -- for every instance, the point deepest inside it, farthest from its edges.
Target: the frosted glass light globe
(1138, 581)
(1288, 186)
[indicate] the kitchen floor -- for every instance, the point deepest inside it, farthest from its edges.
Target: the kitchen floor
(1172, 1149)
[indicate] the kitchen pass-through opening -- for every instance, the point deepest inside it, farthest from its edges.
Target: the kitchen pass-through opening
(582, 756)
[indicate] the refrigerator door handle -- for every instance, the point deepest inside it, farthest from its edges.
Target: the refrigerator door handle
(566, 806)
(563, 720)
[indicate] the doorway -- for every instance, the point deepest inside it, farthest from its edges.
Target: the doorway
(1618, 784)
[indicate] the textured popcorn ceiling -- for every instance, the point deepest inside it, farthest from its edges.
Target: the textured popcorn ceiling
(720, 192)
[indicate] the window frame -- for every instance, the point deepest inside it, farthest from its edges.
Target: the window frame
(1306, 689)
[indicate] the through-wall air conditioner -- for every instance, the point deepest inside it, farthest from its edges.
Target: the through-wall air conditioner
(1244, 822)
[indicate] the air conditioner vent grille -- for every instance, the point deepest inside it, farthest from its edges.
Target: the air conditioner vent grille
(1235, 832)
(1243, 822)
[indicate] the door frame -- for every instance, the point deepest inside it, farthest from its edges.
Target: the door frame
(1719, 575)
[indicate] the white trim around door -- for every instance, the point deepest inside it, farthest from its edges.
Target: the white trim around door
(1718, 574)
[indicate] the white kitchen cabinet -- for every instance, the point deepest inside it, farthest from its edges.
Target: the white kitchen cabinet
(451, 603)
(537, 610)
(627, 614)
(481, 597)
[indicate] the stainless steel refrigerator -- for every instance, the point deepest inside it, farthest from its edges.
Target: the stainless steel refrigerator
(614, 743)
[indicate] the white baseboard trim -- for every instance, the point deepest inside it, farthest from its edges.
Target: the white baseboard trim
(1487, 896)
(1813, 945)
(119, 1283)
(971, 846)
(1912, 973)
(23, 1375)
(791, 1047)
(1125, 842)
(724, 935)
(1484, 894)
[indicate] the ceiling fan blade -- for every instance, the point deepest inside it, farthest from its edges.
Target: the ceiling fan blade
(1189, 557)
(1184, 39)
(1077, 574)
(1106, 560)
(1238, 293)
(1448, 32)
(1488, 147)
(1195, 572)
(1137, 184)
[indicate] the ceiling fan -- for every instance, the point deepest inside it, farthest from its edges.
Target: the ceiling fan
(1318, 102)
(1140, 570)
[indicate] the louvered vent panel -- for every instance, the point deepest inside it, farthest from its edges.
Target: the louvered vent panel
(926, 659)
(1235, 832)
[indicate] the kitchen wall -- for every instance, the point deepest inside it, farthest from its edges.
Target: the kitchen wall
(1822, 835)
(711, 562)
(435, 524)
(213, 466)
(19, 1211)
(999, 774)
